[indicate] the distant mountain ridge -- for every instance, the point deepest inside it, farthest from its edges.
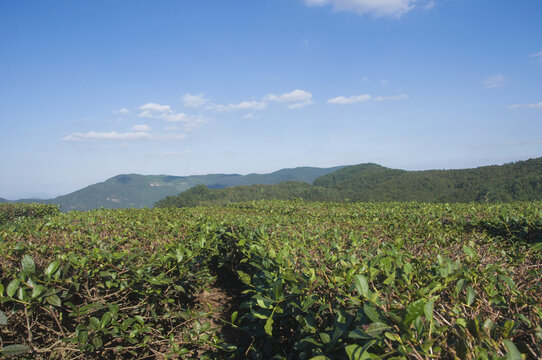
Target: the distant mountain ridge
(134, 190)
(519, 181)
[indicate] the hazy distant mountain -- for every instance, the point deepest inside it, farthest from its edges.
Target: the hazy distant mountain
(520, 181)
(133, 190)
(3, 200)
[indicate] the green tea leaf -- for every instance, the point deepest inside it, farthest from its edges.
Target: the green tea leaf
(3, 319)
(362, 285)
(234, 316)
(13, 286)
(269, 326)
(28, 264)
(54, 300)
(12, 350)
(356, 352)
(376, 329)
(414, 310)
(52, 268)
(513, 352)
(244, 277)
(325, 338)
(428, 310)
(372, 313)
(471, 295)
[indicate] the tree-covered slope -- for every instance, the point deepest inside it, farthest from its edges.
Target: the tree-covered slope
(520, 181)
(289, 190)
(137, 191)
(305, 174)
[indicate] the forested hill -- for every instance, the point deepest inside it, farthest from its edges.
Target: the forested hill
(136, 191)
(288, 190)
(519, 181)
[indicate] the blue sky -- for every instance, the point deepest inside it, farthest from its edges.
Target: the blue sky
(92, 89)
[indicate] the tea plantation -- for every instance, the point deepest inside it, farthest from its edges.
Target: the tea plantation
(273, 280)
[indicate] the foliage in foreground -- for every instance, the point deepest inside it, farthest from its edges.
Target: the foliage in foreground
(315, 281)
(10, 212)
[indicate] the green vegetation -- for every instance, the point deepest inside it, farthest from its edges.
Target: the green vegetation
(275, 279)
(138, 191)
(520, 181)
(201, 195)
(10, 212)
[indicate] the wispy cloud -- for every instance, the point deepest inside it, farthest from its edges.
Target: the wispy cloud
(429, 5)
(537, 57)
(249, 116)
(299, 98)
(378, 8)
(342, 100)
(154, 110)
(113, 135)
(391, 98)
(494, 81)
(122, 111)
(164, 112)
(194, 101)
(244, 105)
(145, 128)
(528, 106)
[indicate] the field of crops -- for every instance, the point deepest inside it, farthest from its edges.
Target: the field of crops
(279, 279)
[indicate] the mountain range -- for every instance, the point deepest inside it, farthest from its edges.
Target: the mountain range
(519, 181)
(137, 191)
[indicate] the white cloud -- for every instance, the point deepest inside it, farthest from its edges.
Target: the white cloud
(296, 99)
(378, 8)
(141, 128)
(537, 57)
(190, 100)
(300, 104)
(494, 81)
(294, 96)
(391, 98)
(244, 105)
(300, 98)
(341, 100)
(122, 111)
(153, 110)
(164, 112)
(249, 116)
(176, 117)
(429, 5)
(528, 106)
(113, 135)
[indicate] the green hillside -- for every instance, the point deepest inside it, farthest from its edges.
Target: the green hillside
(289, 190)
(137, 191)
(305, 174)
(520, 181)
